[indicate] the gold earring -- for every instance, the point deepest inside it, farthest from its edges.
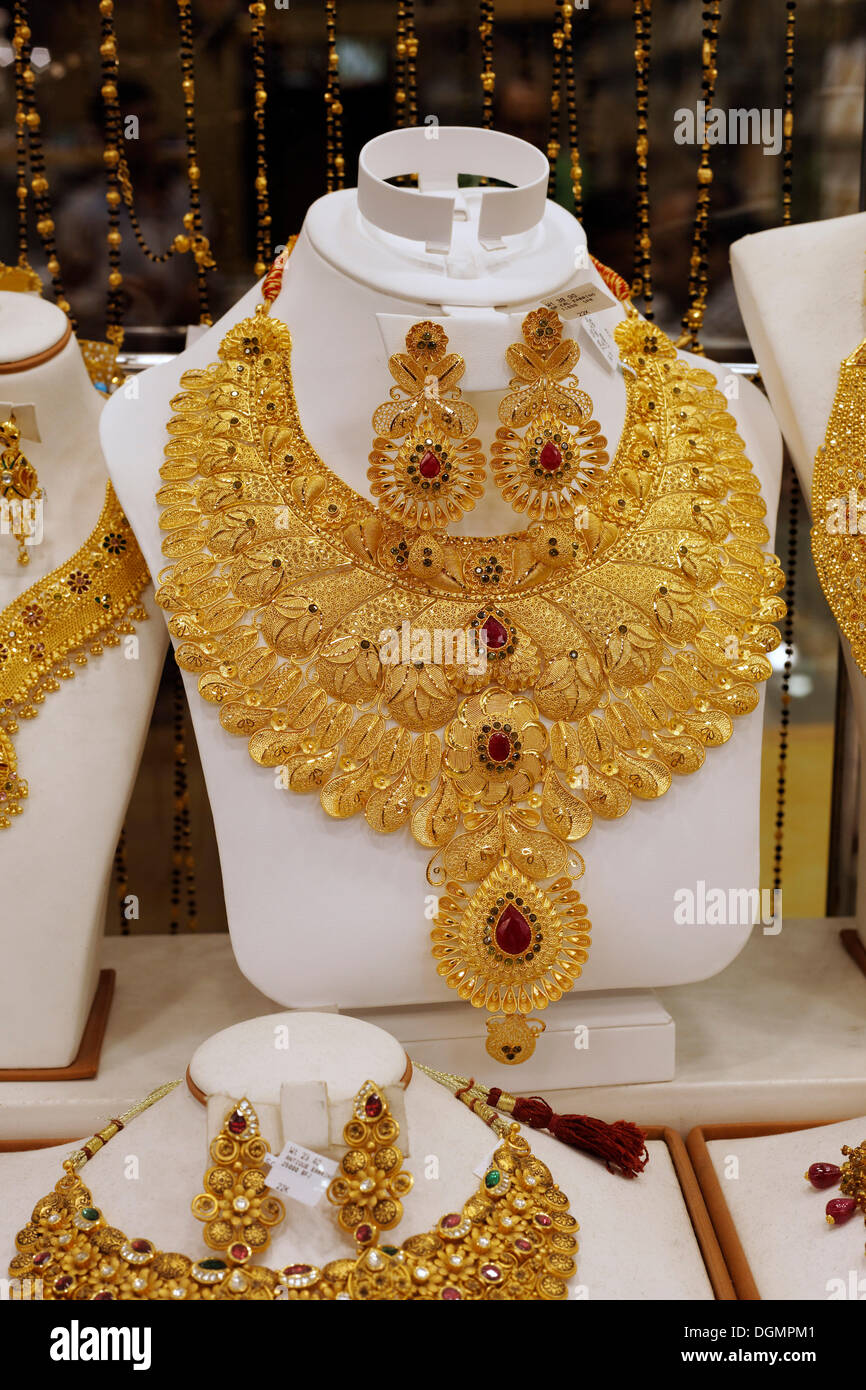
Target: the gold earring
(372, 1181)
(18, 483)
(236, 1206)
(549, 470)
(425, 468)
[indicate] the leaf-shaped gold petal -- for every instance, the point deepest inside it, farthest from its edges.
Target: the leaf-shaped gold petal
(387, 809)
(436, 819)
(564, 814)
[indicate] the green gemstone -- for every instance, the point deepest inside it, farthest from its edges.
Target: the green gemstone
(211, 1264)
(90, 1213)
(493, 1179)
(388, 1249)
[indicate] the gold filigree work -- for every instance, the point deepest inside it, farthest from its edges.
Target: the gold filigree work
(619, 650)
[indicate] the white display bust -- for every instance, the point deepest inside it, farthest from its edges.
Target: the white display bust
(326, 913)
(636, 1238)
(800, 291)
(81, 754)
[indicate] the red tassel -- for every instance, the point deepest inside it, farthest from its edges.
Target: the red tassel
(621, 1145)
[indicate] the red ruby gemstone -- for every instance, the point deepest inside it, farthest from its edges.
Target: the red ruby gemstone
(363, 1234)
(451, 1293)
(491, 1272)
(297, 1269)
(496, 634)
(372, 1107)
(523, 1245)
(239, 1252)
(64, 1282)
(102, 1297)
(237, 1124)
(550, 457)
(141, 1247)
(840, 1209)
(499, 747)
(823, 1174)
(429, 467)
(513, 933)
(42, 1257)
(451, 1220)
(542, 1220)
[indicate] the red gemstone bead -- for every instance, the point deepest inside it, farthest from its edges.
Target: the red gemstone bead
(429, 467)
(42, 1257)
(240, 1252)
(524, 1246)
(451, 1293)
(491, 1272)
(372, 1107)
(840, 1209)
(550, 457)
(237, 1124)
(141, 1247)
(63, 1282)
(499, 747)
(496, 634)
(297, 1269)
(363, 1234)
(451, 1220)
(543, 1220)
(824, 1174)
(513, 933)
(102, 1297)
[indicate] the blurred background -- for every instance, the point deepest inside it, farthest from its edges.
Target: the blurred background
(169, 840)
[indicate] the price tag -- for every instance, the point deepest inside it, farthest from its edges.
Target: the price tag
(580, 300)
(300, 1173)
(602, 341)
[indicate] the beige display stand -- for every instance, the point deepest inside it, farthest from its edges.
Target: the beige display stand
(80, 756)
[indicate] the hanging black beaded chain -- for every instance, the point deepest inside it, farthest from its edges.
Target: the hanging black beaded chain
(486, 23)
(28, 128)
(335, 162)
(182, 862)
(788, 109)
(788, 646)
(264, 251)
(563, 62)
(641, 285)
(693, 317)
(405, 66)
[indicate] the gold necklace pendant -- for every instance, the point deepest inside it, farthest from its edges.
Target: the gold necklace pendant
(839, 506)
(615, 651)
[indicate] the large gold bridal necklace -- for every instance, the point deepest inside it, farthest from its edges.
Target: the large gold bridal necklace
(626, 626)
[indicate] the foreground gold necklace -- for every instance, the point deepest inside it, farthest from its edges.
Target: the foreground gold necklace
(839, 505)
(620, 644)
(513, 1239)
(76, 611)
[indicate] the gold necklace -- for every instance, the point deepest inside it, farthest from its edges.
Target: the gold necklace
(640, 634)
(839, 505)
(76, 611)
(513, 1239)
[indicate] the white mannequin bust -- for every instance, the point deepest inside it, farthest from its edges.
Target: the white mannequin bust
(636, 1239)
(800, 291)
(349, 293)
(81, 754)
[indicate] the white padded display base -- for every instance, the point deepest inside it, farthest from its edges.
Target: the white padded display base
(800, 292)
(81, 754)
(779, 1216)
(636, 1238)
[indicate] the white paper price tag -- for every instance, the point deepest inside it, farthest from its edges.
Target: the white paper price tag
(602, 341)
(580, 300)
(300, 1173)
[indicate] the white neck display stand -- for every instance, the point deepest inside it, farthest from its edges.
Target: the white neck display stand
(800, 291)
(301, 1071)
(332, 914)
(81, 754)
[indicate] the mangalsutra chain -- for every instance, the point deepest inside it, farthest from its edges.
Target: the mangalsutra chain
(785, 693)
(788, 110)
(257, 11)
(693, 317)
(641, 285)
(563, 62)
(28, 120)
(405, 66)
(486, 22)
(334, 158)
(182, 859)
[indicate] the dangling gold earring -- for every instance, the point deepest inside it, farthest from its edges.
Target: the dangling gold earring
(18, 483)
(425, 468)
(549, 470)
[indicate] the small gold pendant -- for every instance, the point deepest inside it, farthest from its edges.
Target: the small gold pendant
(512, 1039)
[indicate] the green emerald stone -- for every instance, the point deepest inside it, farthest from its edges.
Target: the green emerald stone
(211, 1264)
(388, 1249)
(90, 1213)
(493, 1179)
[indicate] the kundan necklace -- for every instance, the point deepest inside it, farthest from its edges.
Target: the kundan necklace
(623, 637)
(513, 1239)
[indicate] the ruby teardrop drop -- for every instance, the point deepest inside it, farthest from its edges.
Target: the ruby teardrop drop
(822, 1175)
(840, 1209)
(513, 933)
(372, 1107)
(496, 634)
(237, 1124)
(499, 747)
(550, 457)
(429, 467)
